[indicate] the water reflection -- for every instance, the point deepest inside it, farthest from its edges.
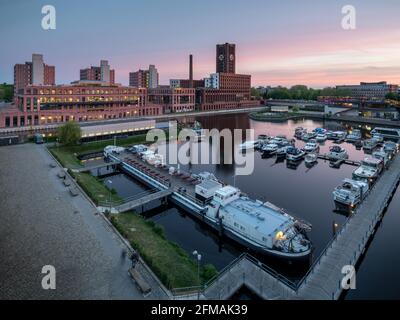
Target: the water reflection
(304, 192)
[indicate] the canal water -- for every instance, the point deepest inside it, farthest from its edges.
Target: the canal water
(303, 192)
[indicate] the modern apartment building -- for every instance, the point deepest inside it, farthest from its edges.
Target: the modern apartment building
(102, 73)
(34, 72)
(144, 78)
(370, 90)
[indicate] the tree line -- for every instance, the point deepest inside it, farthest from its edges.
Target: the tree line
(6, 92)
(299, 92)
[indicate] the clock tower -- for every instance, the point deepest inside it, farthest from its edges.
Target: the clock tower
(226, 58)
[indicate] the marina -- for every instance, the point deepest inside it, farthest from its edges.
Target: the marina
(318, 249)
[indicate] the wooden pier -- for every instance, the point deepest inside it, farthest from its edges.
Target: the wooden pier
(345, 161)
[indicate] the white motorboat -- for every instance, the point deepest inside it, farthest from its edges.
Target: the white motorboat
(311, 146)
(353, 136)
(294, 154)
(139, 148)
(249, 145)
(378, 137)
(382, 155)
(112, 149)
(321, 137)
(269, 149)
(337, 153)
(311, 159)
(350, 193)
(369, 170)
(370, 144)
(281, 152)
(390, 147)
(281, 141)
(337, 135)
(308, 136)
(299, 132)
(389, 133)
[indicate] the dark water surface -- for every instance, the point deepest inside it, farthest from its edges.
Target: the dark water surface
(303, 192)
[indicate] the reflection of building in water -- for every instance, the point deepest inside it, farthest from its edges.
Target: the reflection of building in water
(229, 122)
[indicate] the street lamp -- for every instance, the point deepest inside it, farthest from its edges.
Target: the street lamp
(198, 257)
(335, 227)
(109, 194)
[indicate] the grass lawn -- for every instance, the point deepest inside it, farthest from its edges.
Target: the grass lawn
(67, 156)
(174, 267)
(94, 188)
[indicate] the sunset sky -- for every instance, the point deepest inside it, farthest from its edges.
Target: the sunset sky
(277, 42)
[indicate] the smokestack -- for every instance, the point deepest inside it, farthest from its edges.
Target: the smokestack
(191, 71)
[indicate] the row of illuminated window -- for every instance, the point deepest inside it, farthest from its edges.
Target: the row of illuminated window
(115, 132)
(86, 99)
(81, 91)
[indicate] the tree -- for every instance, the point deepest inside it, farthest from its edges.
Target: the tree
(392, 96)
(6, 92)
(255, 93)
(279, 93)
(69, 133)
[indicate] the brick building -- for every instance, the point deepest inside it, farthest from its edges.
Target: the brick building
(101, 73)
(173, 99)
(144, 78)
(34, 72)
(81, 101)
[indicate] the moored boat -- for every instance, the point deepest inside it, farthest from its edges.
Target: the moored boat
(269, 149)
(370, 144)
(353, 136)
(260, 226)
(369, 170)
(349, 194)
(249, 145)
(311, 146)
(321, 137)
(337, 153)
(310, 159)
(294, 154)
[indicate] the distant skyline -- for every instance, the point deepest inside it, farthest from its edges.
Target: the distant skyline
(295, 42)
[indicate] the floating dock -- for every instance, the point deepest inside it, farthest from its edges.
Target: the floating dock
(339, 161)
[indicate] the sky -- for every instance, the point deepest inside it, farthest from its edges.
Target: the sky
(278, 42)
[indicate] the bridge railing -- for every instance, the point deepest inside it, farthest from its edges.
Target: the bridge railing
(115, 203)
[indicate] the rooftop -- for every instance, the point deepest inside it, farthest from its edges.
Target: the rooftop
(262, 218)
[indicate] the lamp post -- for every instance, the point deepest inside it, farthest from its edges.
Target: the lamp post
(109, 194)
(335, 227)
(198, 258)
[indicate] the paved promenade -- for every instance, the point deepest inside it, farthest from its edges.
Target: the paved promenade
(42, 224)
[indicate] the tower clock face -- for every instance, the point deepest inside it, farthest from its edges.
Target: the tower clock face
(221, 57)
(232, 57)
